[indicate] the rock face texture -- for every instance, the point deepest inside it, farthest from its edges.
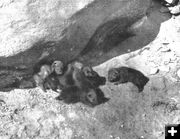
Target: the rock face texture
(58, 26)
(61, 30)
(24, 22)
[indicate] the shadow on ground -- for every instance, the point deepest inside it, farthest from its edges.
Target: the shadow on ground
(133, 37)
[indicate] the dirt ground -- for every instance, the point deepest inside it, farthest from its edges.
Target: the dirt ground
(33, 114)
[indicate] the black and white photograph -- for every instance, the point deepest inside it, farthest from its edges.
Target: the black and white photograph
(89, 69)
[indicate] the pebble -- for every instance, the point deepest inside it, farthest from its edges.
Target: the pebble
(178, 73)
(165, 49)
(175, 10)
(154, 71)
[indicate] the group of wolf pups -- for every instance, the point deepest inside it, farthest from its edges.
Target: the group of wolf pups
(78, 83)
